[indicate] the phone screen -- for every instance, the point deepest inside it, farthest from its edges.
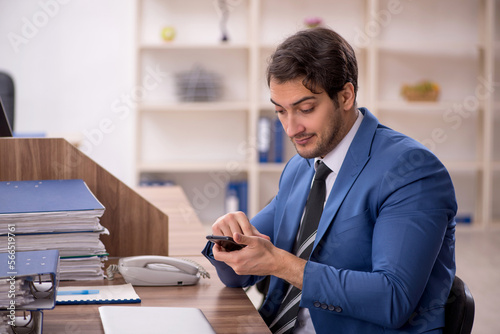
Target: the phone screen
(227, 242)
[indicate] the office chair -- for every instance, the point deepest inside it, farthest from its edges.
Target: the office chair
(459, 309)
(7, 93)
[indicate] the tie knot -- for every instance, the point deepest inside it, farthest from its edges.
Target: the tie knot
(322, 171)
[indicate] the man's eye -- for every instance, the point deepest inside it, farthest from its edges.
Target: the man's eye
(305, 111)
(279, 111)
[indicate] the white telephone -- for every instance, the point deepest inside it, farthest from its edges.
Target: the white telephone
(155, 270)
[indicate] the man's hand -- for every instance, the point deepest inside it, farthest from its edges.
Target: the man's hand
(235, 222)
(260, 257)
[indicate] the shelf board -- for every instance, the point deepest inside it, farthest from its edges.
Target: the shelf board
(192, 46)
(432, 49)
(191, 167)
(193, 106)
(415, 107)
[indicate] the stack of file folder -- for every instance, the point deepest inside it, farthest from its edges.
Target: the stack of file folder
(28, 285)
(63, 215)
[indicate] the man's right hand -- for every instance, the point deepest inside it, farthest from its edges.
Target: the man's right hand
(235, 222)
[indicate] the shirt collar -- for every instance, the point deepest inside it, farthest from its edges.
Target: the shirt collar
(335, 157)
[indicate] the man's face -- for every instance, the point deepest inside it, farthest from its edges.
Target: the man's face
(313, 122)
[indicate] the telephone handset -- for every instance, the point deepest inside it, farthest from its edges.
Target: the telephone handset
(153, 270)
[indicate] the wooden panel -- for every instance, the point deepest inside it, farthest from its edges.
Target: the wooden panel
(186, 232)
(136, 226)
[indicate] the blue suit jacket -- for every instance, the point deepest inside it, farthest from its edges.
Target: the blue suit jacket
(383, 259)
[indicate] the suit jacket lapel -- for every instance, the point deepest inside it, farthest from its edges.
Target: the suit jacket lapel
(294, 206)
(356, 158)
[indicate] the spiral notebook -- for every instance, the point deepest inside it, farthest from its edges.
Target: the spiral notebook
(105, 294)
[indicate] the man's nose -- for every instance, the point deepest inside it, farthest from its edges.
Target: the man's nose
(292, 125)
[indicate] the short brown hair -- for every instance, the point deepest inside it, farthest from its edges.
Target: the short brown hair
(322, 57)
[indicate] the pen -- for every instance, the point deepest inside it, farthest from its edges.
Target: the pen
(78, 292)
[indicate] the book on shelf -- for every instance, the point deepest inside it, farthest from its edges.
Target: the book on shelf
(28, 285)
(237, 196)
(270, 140)
(264, 138)
(55, 214)
(232, 203)
(277, 141)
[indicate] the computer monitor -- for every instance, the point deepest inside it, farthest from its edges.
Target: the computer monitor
(5, 130)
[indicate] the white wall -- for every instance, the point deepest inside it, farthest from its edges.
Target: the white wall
(73, 66)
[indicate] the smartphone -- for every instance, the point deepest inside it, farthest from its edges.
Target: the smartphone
(227, 242)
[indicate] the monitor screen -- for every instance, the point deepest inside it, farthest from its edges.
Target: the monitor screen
(5, 130)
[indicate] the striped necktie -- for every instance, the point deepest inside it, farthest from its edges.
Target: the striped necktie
(287, 313)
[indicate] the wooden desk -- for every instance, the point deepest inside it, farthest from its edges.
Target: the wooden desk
(227, 309)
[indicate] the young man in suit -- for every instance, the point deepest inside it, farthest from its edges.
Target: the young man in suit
(382, 258)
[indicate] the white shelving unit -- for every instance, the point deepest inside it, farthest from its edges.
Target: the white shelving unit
(203, 145)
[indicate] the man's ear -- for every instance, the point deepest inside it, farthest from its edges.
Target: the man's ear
(347, 96)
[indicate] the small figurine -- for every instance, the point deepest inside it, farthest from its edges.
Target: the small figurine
(224, 12)
(168, 33)
(313, 22)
